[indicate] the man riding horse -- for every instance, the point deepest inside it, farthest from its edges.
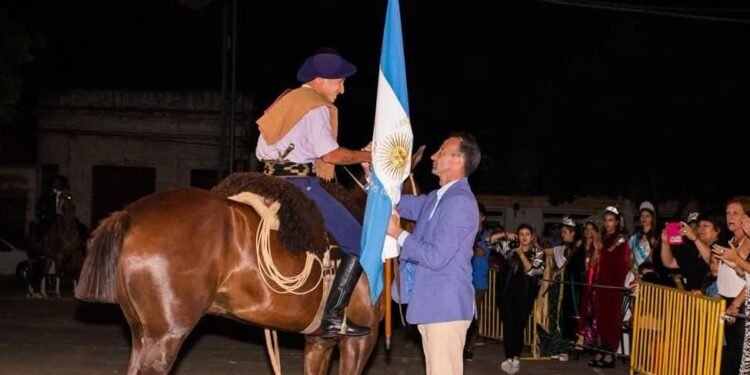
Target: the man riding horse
(49, 203)
(298, 142)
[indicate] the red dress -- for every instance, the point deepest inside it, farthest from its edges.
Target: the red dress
(611, 270)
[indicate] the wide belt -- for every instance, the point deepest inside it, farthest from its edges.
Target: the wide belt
(287, 169)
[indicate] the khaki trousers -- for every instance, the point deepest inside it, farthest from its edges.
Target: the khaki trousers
(443, 345)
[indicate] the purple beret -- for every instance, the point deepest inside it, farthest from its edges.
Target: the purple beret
(325, 65)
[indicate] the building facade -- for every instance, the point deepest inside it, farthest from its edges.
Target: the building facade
(117, 146)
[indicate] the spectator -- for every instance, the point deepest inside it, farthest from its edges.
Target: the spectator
(517, 287)
(687, 258)
(480, 267)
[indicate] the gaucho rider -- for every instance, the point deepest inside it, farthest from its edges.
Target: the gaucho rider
(298, 142)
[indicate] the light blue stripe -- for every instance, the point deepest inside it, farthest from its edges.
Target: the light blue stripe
(392, 62)
(377, 215)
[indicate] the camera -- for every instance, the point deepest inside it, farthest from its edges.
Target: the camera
(512, 244)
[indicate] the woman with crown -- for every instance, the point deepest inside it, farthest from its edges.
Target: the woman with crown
(603, 311)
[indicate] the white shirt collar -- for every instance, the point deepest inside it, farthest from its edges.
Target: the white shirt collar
(444, 188)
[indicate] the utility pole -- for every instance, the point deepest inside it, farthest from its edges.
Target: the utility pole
(228, 88)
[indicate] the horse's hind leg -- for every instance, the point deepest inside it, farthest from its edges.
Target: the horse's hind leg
(318, 355)
(154, 354)
(154, 346)
(158, 324)
(57, 285)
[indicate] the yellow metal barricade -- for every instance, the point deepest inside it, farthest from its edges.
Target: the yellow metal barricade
(490, 325)
(675, 332)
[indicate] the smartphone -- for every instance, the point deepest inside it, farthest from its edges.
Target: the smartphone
(673, 233)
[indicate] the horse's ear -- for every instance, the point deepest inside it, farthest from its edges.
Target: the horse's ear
(417, 157)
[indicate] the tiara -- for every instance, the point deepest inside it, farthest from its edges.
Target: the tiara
(612, 209)
(567, 221)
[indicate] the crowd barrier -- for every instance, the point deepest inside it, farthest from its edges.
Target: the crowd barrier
(675, 332)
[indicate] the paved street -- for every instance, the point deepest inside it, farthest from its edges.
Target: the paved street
(66, 337)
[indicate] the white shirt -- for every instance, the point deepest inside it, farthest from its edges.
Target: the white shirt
(730, 285)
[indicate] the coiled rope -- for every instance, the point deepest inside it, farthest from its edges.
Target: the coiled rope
(286, 284)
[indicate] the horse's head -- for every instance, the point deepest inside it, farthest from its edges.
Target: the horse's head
(66, 207)
(410, 186)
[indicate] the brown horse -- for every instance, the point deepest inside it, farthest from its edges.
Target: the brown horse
(62, 245)
(174, 256)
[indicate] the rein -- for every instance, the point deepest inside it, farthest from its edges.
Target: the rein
(361, 186)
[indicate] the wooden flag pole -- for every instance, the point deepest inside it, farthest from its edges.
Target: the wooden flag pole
(387, 301)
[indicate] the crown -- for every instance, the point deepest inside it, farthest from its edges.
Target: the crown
(567, 221)
(613, 210)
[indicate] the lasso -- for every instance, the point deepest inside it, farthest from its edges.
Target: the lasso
(287, 284)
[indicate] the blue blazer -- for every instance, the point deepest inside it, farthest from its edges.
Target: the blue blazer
(440, 251)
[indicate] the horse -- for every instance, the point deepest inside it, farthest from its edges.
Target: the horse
(62, 246)
(174, 256)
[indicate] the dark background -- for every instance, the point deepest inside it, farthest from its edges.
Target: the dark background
(565, 99)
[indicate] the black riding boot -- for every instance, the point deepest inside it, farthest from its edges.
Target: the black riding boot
(346, 278)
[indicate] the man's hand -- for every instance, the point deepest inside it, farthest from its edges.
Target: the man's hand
(366, 165)
(394, 225)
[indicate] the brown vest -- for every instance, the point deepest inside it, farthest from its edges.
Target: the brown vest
(285, 113)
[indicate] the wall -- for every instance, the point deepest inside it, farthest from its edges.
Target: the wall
(173, 132)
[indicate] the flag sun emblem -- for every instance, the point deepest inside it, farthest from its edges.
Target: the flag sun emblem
(393, 154)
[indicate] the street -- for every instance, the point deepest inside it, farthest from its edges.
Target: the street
(66, 337)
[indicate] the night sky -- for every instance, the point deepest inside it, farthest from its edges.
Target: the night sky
(566, 100)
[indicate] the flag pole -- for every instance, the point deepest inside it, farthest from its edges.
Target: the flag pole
(388, 311)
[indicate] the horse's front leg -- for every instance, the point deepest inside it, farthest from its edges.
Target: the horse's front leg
(318, 355)
(43, 286)
(355, 351)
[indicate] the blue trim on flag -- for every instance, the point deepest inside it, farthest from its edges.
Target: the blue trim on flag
(377, 215)
(392, 62)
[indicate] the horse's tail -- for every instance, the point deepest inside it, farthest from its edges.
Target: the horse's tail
(99, 274)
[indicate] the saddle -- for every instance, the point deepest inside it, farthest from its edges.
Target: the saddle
(300, 221)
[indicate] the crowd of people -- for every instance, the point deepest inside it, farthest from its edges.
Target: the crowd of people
(580, 280)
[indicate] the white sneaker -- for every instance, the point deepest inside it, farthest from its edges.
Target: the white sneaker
(516, 365)
(563, 357)
(507, 366)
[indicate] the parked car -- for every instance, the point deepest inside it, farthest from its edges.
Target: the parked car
(13, 261)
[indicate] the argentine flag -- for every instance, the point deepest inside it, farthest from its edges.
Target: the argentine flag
(391, 153)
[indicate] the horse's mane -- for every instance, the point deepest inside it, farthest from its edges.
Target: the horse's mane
(301, 223)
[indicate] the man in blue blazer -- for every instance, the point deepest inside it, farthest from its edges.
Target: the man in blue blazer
(440, 294)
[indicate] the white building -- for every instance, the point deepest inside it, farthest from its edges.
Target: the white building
(117, 146)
